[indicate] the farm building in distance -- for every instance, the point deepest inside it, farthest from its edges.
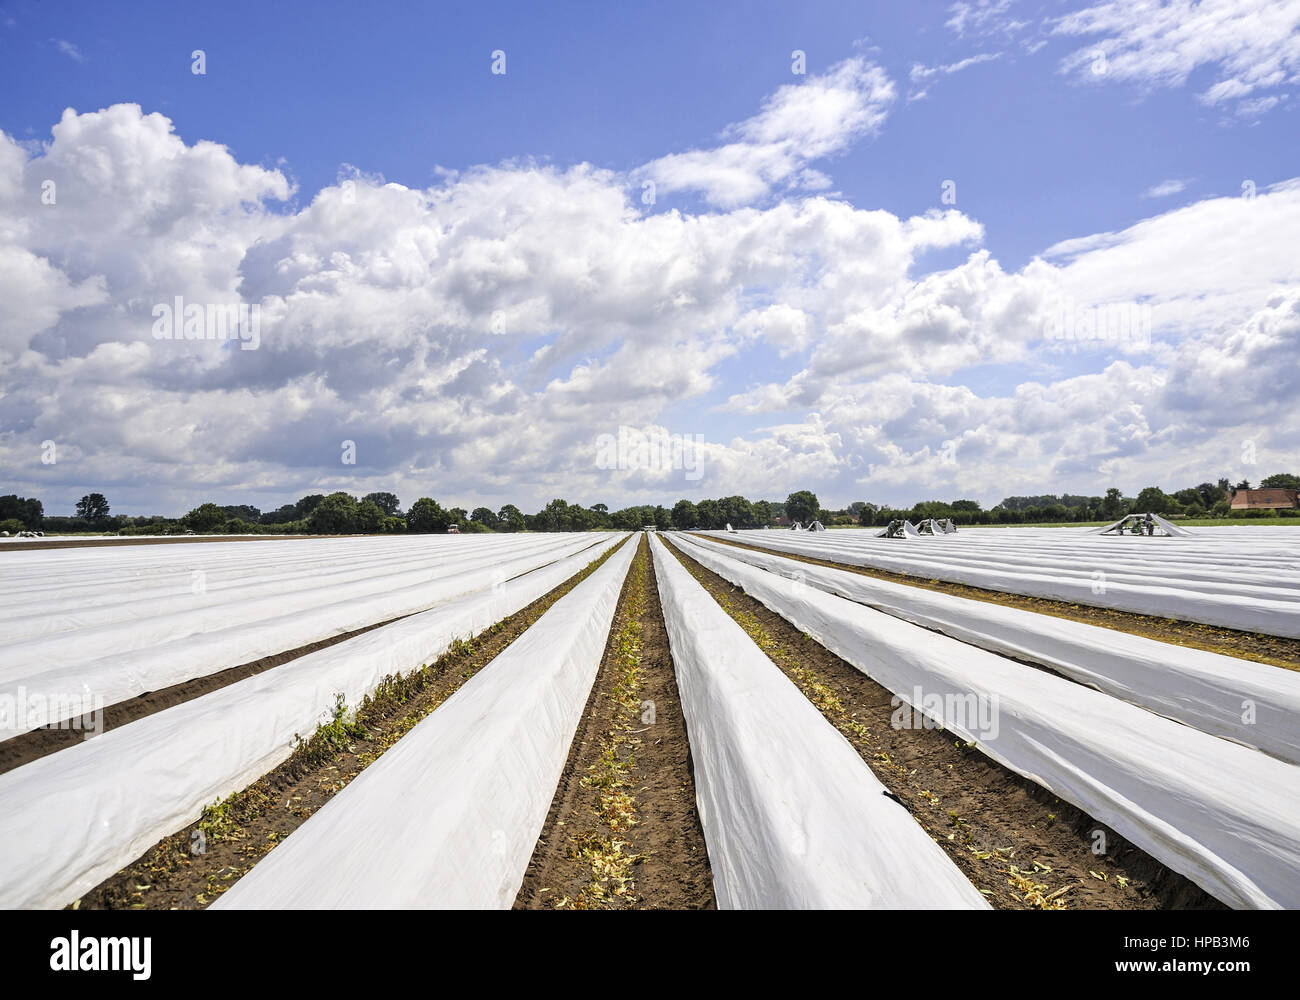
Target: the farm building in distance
(1270, 499)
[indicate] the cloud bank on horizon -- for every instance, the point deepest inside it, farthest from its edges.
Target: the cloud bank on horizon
(475, 338)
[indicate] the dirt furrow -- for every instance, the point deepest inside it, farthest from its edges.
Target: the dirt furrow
(191, 868)
(40, 742)
(1018, 843)
(623, 831)
(1278, 651)
(48, 739)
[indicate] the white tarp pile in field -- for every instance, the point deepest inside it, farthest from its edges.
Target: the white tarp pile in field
(792, 816)
(1160, 522)
(1227, 578)
(909, 530)
(1251, 703)
(52, 672)
(77, 816)
(449, 817)
(1224, 815)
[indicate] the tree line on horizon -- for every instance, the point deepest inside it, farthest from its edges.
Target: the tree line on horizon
(341, 513)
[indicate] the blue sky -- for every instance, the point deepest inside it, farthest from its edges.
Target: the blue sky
(999, 97)
(401, 89)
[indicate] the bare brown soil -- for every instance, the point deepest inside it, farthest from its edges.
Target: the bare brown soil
(1019, 844)
(192, 867)
(40, 742)
(634, 841)
(1275, 650)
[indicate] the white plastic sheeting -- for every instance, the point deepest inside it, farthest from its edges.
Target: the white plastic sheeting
(51, 677)
(1213, 693)
(1226, 577)
(48, 592)
(1224, 815)
(449, 817)
(135, 613)
(73, 818)
(792, 816)
(1270, 574)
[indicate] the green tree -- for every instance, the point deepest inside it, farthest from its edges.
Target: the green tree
(206, 519)
(709, 515)
(386, 502)
(1211, 493)
(426, 515)
(93, 507)
(335, 515)
(1282, 480)
(510, 518)
(242, 512)
(29, 511)
(1151, 500)
(370, 517)
(736, 511)
(485, 517)
(281, 515)
(555, 516)
(685, 514)
(309, 503)
(802, 506)
(1112, 504)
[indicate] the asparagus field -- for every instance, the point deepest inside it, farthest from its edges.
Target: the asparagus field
(996, 718)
